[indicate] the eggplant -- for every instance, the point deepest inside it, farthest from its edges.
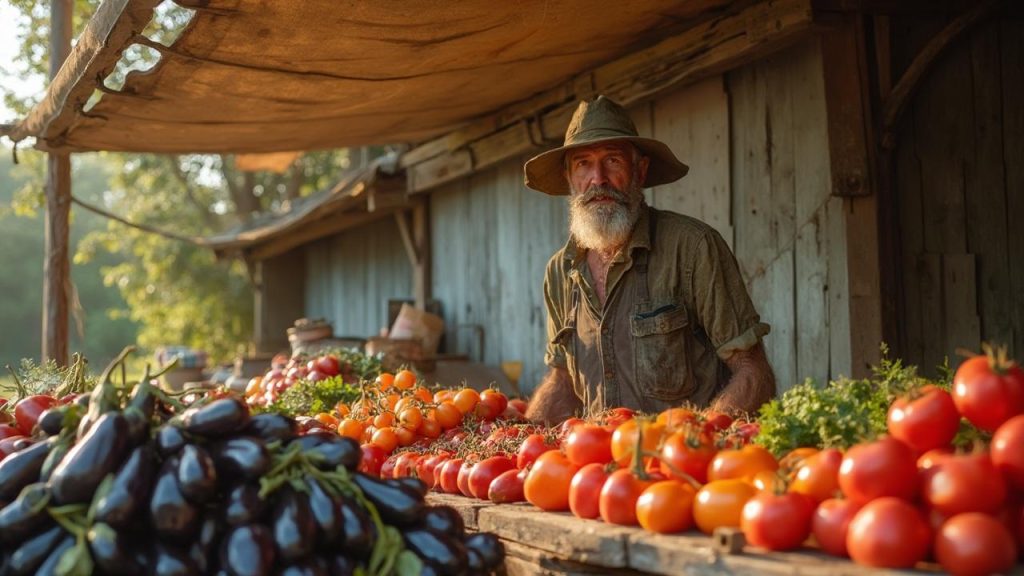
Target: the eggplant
(51, 421)
(340, 565)
(57, 453)
(490, 548)
(93, 457)
(22, 444)
(111, 552)
(49, 566)
(241, 458)
(197, 476)
(138, 427)
(447, 554)
(429, 569)
(330, 450)
(417, 485)
(26, 515)
(312, 567)
(293, 524)
(475, 561)
(202, 550)
(102, 399)
(130, 491)
(247, 551)
(171, 514)
(272, 426)
(244, 505)
(398, 505)
(27, 558)
(358, 533)
(169, 440)
(22, 468)
(143, 399)
(444, 520)
(216, 419)
(171, 561)
(326, 513)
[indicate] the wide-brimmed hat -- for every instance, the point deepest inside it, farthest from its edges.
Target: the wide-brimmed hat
(601, 120)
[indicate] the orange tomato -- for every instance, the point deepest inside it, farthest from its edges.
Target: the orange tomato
(254, 386)
(423, 395)
(405, 436)
(327, 420)
(447, 415)
(767, 481)
(404, 403)
(342, 409)
(410, 418)
(741, 463)
(443, 395)
(720, 504)
(351, 428)
(405, 379)
(547, 484)
(385, 380)
(795, 457)
(666, 507)
(466, 400)
(430, 428)
(625, 436)
(675, 418)
(384, 419)
(391, 400)
(818, 475)
(386, 438)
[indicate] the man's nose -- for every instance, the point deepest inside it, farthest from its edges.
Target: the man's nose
(600, 176)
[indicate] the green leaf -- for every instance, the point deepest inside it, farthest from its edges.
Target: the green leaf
(408, 564)
(75, 561)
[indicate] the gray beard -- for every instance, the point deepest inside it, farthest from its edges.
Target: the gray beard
(604, 226)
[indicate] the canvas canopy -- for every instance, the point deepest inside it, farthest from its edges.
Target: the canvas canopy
(267, 76)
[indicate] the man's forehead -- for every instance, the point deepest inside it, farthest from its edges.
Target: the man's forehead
(621, 147)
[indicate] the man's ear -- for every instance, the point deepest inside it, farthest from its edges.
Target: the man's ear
(641, 168)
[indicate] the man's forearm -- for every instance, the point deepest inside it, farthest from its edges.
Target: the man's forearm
(752, 383)
(554, 400)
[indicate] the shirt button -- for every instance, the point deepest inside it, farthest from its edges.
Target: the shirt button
(608, 373)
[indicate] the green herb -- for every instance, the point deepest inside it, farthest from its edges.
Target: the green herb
(306, 398)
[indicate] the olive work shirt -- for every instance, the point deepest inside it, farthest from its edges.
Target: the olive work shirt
(676, 307)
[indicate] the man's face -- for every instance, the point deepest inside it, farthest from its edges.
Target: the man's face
(606, 182)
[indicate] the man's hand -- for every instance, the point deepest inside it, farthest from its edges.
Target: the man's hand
(752, 383)
(554, 400)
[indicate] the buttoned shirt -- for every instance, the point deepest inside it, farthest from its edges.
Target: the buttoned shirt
(676, 307)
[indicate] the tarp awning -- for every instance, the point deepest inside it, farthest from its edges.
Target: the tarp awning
(259, 76)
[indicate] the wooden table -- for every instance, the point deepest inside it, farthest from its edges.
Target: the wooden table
(540, 542)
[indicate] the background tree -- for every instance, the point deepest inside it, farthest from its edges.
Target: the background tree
(172, 292)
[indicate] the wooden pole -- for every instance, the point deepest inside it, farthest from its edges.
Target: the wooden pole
(57, 267)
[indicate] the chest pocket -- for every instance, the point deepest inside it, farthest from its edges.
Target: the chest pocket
(661, 347)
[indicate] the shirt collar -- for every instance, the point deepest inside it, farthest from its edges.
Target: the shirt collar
(639, 238)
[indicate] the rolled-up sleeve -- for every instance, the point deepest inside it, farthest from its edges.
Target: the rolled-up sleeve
(554, 352)
(722, 304)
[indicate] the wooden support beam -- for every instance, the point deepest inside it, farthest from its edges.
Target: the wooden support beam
(403, 230)
(744, 33)
(386, 193)
(421, 241)
(332, 224)
(893, 7)
(57, 267)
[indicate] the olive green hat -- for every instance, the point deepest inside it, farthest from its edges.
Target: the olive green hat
(594, 122)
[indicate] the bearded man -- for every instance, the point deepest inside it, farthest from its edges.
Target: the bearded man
(646, 308)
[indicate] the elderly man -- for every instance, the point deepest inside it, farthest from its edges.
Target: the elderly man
(646, 308)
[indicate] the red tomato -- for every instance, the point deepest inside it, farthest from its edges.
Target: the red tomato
(6, 431)
(587, 444)
(328, 365)
(617, 501)
(28, 409)
(716, 421)
(405, 465)
(872, 470)
(519, 404)
(975, 544)
(533, 446)
(925, 420)
(507, 487)
(424, 469)
(830, 524)
(547, 484)
(1007, 450)
(387, 469)
(486, 471)
(568, 425)
(688, 451)
(817, 476)
(492, 403)
(450, 475)
(463, 479)
(617, 416)
(965, 483)
(987, 392)
(777, 521)
(888, 533)
(373, 458)
(666, 507)
(585, 490)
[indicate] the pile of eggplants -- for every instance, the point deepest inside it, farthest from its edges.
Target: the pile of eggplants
(126, 483)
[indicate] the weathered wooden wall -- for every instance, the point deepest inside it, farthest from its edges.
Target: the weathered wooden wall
(960, 188)
(351, 276)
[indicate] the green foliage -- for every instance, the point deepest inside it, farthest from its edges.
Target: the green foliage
(306, 398)
(838, 415)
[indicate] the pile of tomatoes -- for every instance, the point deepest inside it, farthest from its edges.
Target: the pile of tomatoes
(17, 424)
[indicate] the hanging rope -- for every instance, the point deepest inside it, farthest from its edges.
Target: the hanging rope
(144, 227)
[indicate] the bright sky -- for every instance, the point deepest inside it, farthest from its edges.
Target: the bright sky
(9, 79)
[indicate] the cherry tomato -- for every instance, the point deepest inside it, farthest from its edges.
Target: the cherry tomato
(372, 460)
(885, 467)
(987, 392)
(975, 544)
(547, 484)
(888, 532)
(777, 521)
(795, 458)
(519, 404)
(830, 524)
(466, 400)
(589, 443)
(666, 507)
(404, 379)
(492, 404)
(507, 487)
(687, 451)
(486, 471)
(585, 490)
(533, 446)
(719, 503)
(965, 483)
(625, 437)
(925, 420)
(617, 416)
(328, 365)
(1007, 450)
(28, 409)
(617, 501)
(676, 418)
(716, 421)
(818, 475)
(744, 462)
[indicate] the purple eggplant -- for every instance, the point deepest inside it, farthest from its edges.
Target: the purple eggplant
(22, 468)
(169, 440)
(447, 554)
(93, 457)
(272, 426)
(293, 525)
(26, 516)
(329, 450)
(171, 514)
(247, 551)
(27, 558)
(244, 506)
(111, 552)
(240, 459)
(398, 505)
(197, 475)
(216, 419)
(130, 491)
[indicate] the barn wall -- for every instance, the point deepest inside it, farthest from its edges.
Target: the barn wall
(959, 181)
(351, 276)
